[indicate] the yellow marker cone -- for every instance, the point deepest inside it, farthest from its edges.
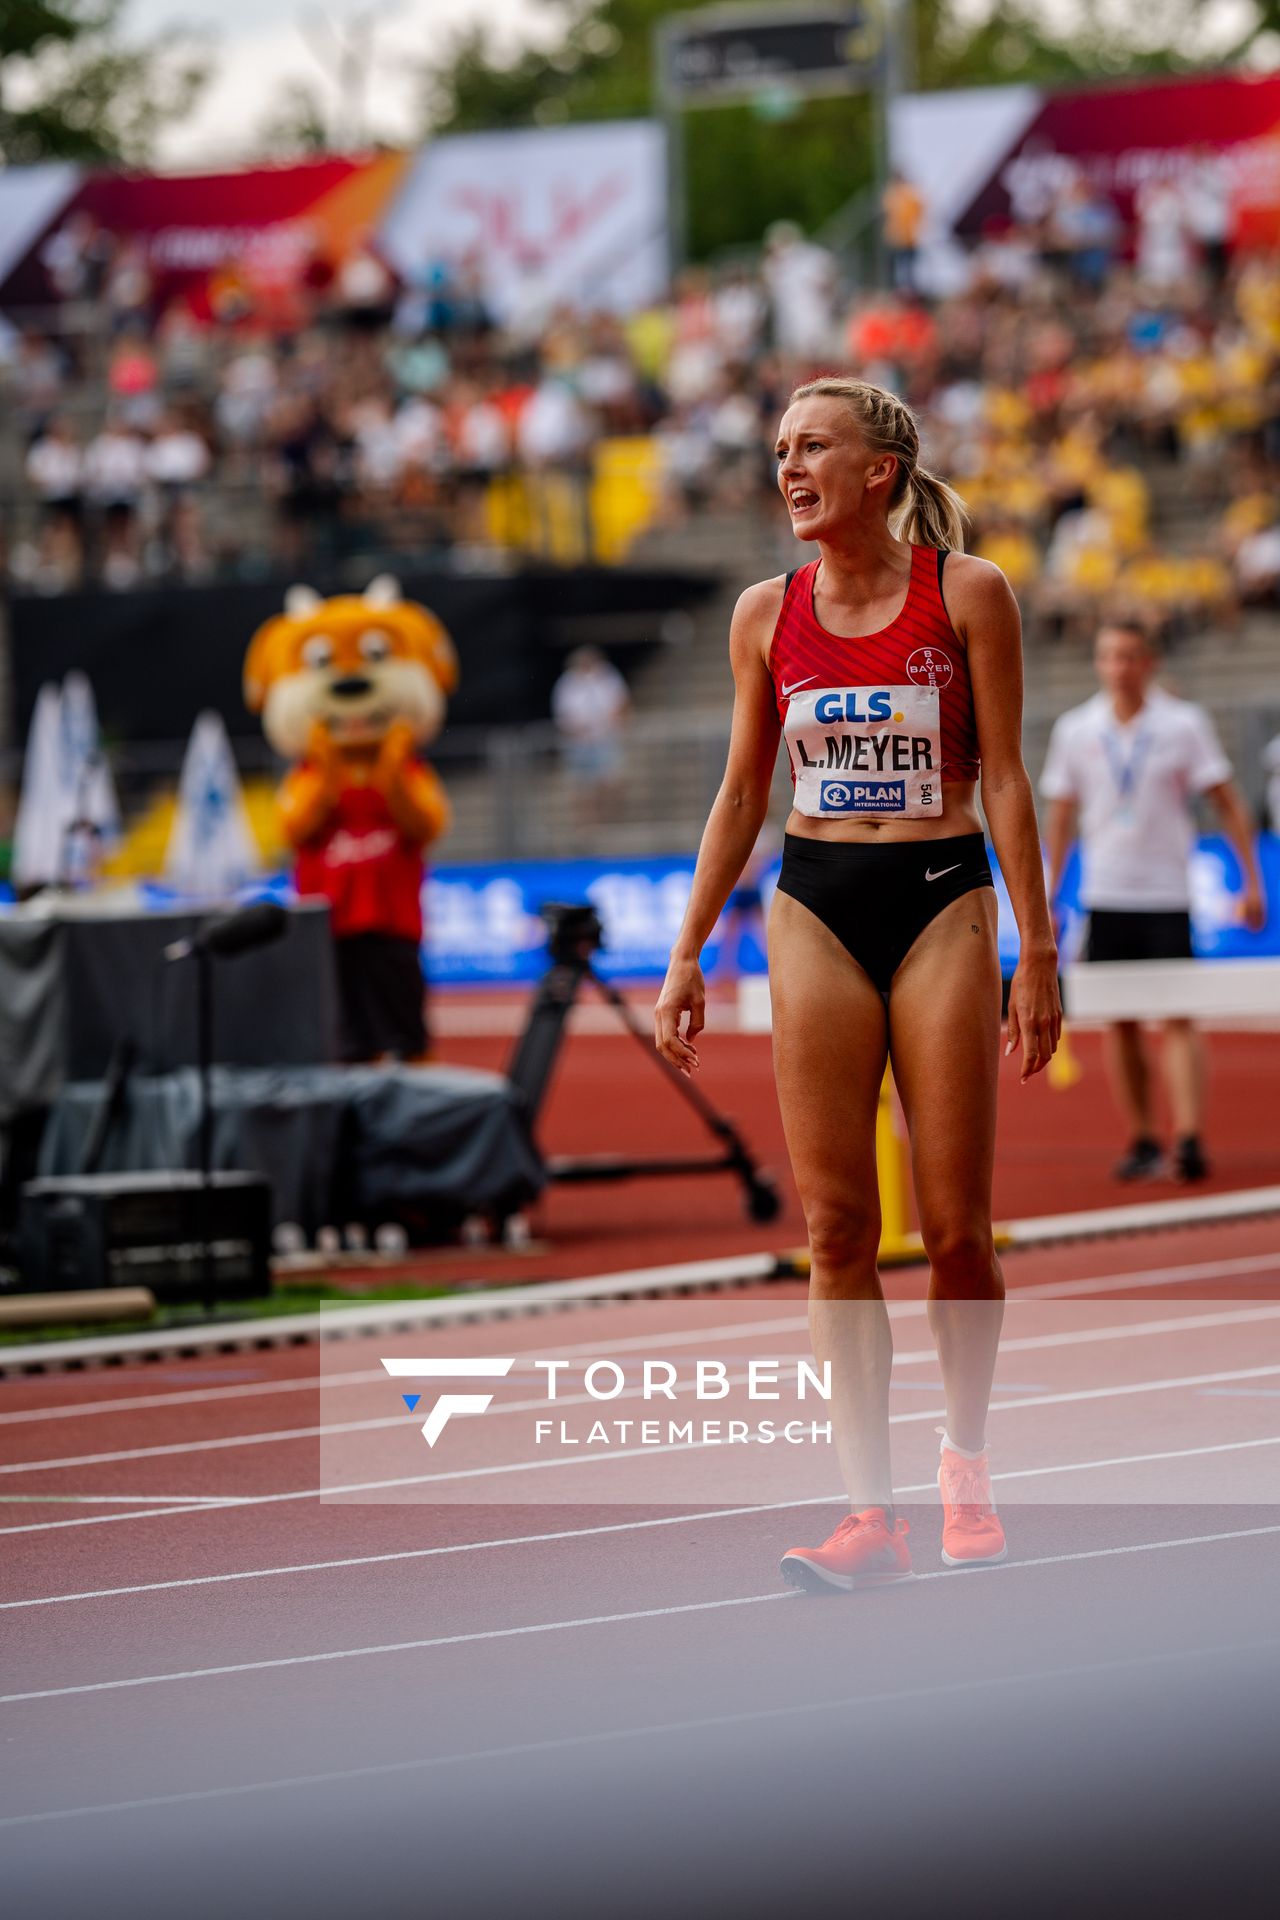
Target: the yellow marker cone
(900, 1244)
(1064, 1069)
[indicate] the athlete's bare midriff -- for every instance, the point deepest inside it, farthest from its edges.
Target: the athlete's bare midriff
(959, 816)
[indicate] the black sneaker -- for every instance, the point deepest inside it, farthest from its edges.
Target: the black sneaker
(1189, 1162)
(1144, 1161)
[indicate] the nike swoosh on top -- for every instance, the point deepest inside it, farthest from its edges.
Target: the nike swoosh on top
(788, 691)
(929, 874)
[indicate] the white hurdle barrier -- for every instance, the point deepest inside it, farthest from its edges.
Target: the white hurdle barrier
(1208, 991)
(1213, 992)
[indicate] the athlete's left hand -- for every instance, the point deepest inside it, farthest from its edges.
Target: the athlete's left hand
(1035, 1012)
(1253, 908)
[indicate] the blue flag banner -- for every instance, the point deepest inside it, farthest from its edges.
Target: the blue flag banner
(485, 928)
(484, 923)
(1217, 931)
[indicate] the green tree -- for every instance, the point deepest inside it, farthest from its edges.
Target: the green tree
(742, 170)
(296, 126)
(73, 86)
(1095, 39)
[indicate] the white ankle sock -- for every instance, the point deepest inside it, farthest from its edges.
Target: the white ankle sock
(949, 1446)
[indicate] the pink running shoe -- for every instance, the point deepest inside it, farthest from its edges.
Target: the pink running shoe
(972, 1535)
(864, 1551)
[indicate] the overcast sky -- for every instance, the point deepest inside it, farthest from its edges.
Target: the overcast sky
(257, 49)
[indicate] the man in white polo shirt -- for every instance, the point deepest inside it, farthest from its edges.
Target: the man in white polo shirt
(1128, 764)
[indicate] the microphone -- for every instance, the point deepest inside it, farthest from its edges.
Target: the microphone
(232, 933)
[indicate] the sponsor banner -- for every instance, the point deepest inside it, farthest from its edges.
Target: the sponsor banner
(484, 923)
(545, 216)
(206, 238)
(32, 199)
(986, 157)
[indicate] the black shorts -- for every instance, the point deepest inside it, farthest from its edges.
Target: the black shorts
(878, 900)
(1125, 934)
(382, 996)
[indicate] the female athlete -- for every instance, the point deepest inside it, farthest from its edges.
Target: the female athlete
(892, 666)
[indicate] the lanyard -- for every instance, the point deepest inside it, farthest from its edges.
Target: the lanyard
(1125, 771)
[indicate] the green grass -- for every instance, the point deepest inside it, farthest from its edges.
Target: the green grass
(168, 1316)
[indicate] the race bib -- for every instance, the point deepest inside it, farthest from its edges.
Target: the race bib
(862, 751)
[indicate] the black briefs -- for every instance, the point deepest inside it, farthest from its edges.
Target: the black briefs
(878, 899)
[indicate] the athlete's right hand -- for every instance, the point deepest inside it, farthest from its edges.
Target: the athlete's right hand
(683, 993)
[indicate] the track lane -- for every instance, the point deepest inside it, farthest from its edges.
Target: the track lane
(204, 1735)
(1135, 1593)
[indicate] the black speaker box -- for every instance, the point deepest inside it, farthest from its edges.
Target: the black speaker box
(147, 1230)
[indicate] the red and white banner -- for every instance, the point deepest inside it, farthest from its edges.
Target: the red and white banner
(202, 237)
(571, 215)
(984, 156)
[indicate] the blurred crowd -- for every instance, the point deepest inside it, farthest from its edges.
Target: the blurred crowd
(1084, 385)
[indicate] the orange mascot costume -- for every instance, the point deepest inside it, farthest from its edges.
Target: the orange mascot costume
(349, 689)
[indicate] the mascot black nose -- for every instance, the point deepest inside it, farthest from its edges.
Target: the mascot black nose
(351, 686)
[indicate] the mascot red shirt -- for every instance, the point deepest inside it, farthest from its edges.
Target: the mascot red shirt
(350, 689)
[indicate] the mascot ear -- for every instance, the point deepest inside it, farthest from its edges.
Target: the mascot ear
(384, 591)
(300, 602)
(444, 659)
(257, 663)
(433, 646)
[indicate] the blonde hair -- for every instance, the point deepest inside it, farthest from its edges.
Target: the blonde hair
(922, 508)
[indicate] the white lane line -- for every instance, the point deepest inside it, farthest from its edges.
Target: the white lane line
(211, 1396)
(1187, 1275)
(1084, 1336)
(703, 1723)
(278, 1436)
(106, 1499)
(536, 1298)
(380, 1318)
(614, 1526)
(1237, 1268)
(599, 1620)
(394, 1646)
(419, 1553)
(214, 1504)
(154, 1513)
(1132, 1460)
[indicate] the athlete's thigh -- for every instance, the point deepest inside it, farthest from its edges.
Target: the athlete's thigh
(830, 1039)
(944, 1020)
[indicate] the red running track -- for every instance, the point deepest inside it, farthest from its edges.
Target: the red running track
(1054, 1149)
(258, 1692)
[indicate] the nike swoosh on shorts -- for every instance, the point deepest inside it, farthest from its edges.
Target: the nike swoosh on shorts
(929, 874)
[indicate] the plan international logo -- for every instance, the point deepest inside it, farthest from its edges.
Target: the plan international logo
(797, 1381)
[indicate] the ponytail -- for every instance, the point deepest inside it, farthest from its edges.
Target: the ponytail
(931, 514)
(922, 508)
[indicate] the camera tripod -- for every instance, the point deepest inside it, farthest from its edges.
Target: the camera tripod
(575, 935)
